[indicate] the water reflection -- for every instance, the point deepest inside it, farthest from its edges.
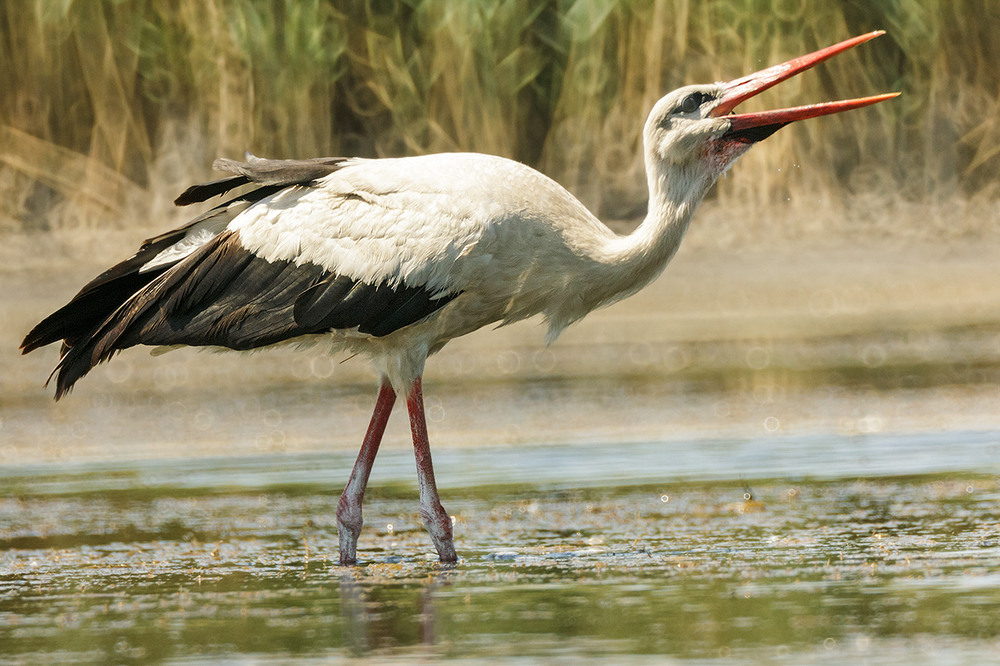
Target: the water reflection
(377, 616)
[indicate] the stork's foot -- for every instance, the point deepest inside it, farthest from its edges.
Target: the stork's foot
(349, 523)
(439, 526)
(348, 551)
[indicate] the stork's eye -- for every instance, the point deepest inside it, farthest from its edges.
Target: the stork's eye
(692, 102)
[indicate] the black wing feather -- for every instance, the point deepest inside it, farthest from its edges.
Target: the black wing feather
(414, 305)
(313, 306)
(378, 310)
(223, 295)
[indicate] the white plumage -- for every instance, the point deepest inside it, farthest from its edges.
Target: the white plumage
(392, 258)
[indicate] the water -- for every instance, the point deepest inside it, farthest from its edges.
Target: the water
(745, 551)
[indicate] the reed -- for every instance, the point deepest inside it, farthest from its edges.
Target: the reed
(110, 108)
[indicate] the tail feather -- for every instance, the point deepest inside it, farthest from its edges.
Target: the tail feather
(264, 172)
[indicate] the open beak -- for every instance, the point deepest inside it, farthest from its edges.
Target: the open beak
(751, 127)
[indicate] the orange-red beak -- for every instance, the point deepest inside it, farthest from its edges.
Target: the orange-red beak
(752, 127)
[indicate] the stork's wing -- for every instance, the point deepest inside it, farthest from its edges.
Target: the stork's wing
(224, 296)
(202, 285)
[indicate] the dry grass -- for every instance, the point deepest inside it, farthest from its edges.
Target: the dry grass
(110, 108)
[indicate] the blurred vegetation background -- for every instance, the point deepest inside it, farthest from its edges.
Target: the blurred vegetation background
(110, 108)
(842, 278)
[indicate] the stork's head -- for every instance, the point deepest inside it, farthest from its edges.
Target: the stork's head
(694, 131)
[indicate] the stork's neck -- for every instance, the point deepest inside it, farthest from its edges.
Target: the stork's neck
(618, 266)
(638, 258)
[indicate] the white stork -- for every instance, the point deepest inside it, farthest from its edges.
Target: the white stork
(392, 258)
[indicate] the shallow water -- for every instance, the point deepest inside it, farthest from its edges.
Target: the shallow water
(234, 558)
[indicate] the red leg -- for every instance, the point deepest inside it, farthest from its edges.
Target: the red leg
(435, 518)
(349, 520)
